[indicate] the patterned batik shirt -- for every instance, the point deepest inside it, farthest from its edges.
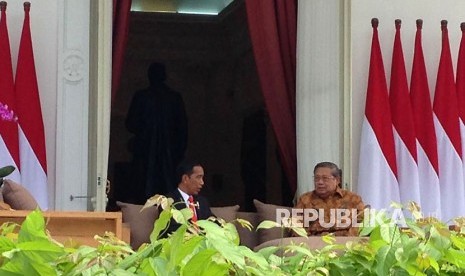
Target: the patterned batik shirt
(350, 206)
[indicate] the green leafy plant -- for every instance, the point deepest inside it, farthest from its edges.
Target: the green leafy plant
(209, 247)
(30, 251)
(424, 246)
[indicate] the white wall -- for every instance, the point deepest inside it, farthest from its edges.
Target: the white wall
(319, 86)
(431, 11)
(333, 51)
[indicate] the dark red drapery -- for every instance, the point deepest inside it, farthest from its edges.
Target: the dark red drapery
(273, 32)
(121, 12)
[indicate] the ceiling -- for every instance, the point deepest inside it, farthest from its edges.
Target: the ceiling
(206, 7)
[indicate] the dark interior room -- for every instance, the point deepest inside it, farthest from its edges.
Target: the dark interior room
(209, 62)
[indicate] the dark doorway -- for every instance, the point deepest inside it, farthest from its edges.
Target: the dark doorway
(209, 61)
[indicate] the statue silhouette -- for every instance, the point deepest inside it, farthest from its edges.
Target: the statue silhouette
(157, 118)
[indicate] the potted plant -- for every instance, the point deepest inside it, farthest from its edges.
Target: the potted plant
(426, 247)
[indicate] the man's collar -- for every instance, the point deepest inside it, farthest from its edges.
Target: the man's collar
(184, 195)
(338, 191)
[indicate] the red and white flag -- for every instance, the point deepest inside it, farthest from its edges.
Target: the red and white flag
(404, 127)
(446, 121)
(460, 84)
(31, 135)
(9, 145)
(377, 178)
(430, 198)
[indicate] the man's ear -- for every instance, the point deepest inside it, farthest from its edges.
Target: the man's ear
(184, 178)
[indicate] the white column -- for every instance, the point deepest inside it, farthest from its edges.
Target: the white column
(320, 84)
(100, 103)
(72, 105)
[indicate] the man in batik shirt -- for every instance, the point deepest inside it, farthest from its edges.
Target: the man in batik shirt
(337, 210)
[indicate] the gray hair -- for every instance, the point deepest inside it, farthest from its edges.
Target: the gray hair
(335, 171)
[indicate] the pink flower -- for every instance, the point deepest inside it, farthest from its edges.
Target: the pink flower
(7, 115)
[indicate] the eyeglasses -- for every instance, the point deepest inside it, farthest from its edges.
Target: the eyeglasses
(317, 178)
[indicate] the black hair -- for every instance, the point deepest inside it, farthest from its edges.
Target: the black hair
(186, 167)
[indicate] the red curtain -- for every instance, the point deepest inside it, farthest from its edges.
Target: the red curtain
(121, 12)
(273, 32)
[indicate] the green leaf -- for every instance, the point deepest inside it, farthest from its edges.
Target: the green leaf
(418, 231)
(121, 272)
(301, 248)
(376, 240)
(340, 268)
(412, 261)
(5, 171)
(33, 227)
(320, 271)
(458, 241)
(439, 238)
(266, 252)
(423, 262)
(188, 248)
(160, 224)
(40, 245)
(411, 246)
(152, 250)
(218, 240)
(434, 264)
(6, 244)
(431, 251)
(456, 257)
(175, 243)
(275, 260)
(196, 265)
(366, 230)
(159, 266)
(398, 271)
(181, 216)
(212, 229)
(231, 233)
(301, 232)
(267, 224)
(402, 257)
(387, 233)
(27, 264)
(329, 239)
(364, 260)
(215, 269)
(9, 227)
(254, 257)
(385, 259)
(229, 252)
